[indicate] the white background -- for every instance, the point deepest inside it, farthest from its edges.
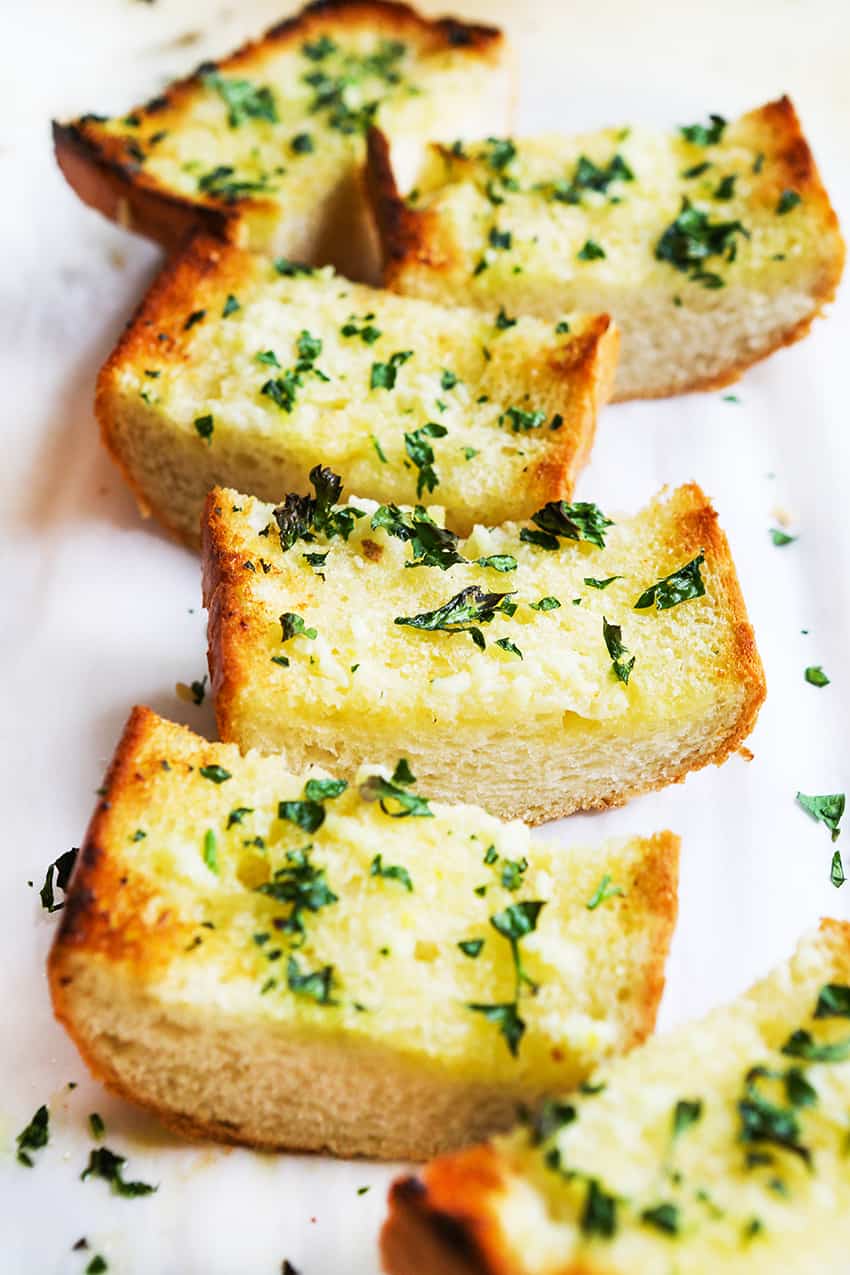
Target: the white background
(100, 611)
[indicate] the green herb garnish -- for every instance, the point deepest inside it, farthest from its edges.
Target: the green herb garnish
(461, 614)
(216, 774)
(244, 100)
(403, 804)
(605, 890)
(35, 1136)
(383, 375)
(315, 985)
(613, 635)
(105, 1164)
(390, 872)
(787, 200)
(826, 808)
(422, 453)
(679, 586)
(580, 521)
(58, 876)
(704, 134)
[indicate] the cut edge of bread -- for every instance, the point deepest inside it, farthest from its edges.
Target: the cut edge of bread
(446, 1221)
(230, 653)
(102, 978)
(412, 239)
(198, 277)
(96, 166)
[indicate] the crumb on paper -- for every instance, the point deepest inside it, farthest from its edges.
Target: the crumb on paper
(746, 753)
(782, 515)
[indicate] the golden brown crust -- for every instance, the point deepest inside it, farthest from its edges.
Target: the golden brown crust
(228, 626)
(406, 235)
(104, 173)
(442, 1223)
(203, 269)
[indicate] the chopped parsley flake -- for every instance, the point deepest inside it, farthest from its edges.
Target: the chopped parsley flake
(498, 562)
(680, 586)
(105, 1164)
(403, 804)
(421, 453)
(591, 251)
(390, 872)
(522, 421)
(787, 200)
(471, 947)
(461, 614)
(781, 538)
(211, 850)
(303, 885)
(314, 985)
(383, 375)
(204, 426)
(507, 645)
(692, 238)
(35, 1136)
(815, 676)
(216, 774)
(613, 634)
(58, 876)
(704, 134)
(827, 809)
(605, 890)
(580, 521)
(244, 100)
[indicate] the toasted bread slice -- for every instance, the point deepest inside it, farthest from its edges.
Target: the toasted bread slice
(516, 699)
(263, 958)
(267, 146)
(719, 1147)
(710, 247)
(236, 374)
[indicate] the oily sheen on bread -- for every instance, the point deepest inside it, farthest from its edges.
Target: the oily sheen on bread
(266, 147)
(241, 372)
(515, 665)
(710, 246)
(719, 1147)
(287, 961)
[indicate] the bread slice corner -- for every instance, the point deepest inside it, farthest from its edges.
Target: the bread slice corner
(737, 1125)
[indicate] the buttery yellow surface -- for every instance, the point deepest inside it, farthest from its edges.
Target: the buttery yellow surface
(340, 419)
(626, 221)
(399, 977)
(777, 1216)
(681, 654)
